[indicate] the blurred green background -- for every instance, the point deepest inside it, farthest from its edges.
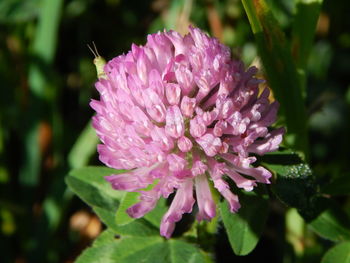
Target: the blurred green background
(47, 80)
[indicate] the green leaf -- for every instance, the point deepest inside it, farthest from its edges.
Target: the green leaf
(44, 49)
(107, 216)
(106, 237)
(338, 254)
(115, 251)
(139, 227)
(275, 52)
(303, 31)
(129, 199)
(16, 11)
(332, 222)
(294, 183)
(340, 186)
(304, 26)
(181, 251)
(245, 227)
(174, 13)
(140, 249)
(83, 148)
(89, 184)
(286, 163)
(155, 216)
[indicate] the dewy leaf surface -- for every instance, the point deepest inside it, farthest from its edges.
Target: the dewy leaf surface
(294, 184)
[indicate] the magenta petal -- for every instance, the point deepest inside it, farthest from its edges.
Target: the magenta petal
(154, 106)
(164, 142)
(240, 181)
(210, 144)
(176, 162)
(184, 144)
(126, 182)
(261, 174)
(232, 200)
(182, 203)
(187, 106)
(206, 205)
(148, 202)
(174, 122)
(167, 228)
(224, 190)
(269, 144)
(137, 179)
(173, 92)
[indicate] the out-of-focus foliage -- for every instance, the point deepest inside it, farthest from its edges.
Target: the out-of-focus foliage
(47, 78)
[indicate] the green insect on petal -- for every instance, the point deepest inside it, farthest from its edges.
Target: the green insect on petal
(99, 62)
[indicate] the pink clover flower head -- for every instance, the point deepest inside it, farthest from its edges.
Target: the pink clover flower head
(180, 111)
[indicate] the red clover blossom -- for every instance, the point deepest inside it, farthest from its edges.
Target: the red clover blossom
(180, 111)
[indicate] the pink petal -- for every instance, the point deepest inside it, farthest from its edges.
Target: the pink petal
(224, 190)
(187, 106)
(137, 179)
(269, 144)
(173, 92)
(148, 202)
(197, 127)
(240, 181)
(210, 144)
(206, 205)
(174, 122)
(184, 144)
(154, 106)
(163, 141)
(182, 203)
(176, 163)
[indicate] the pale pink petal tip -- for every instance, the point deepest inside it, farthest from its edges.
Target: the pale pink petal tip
(148, 200)
(206, 205)
(182, 203)
(184, 144)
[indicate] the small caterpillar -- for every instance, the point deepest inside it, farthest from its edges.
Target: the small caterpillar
(99, 62)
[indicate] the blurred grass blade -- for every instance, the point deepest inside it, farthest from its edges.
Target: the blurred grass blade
(17, 11)
(44, 48)
(303, 31)
(84, 147)
(295, 231)
(44, 44)
(275, 53)
(174, 13)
